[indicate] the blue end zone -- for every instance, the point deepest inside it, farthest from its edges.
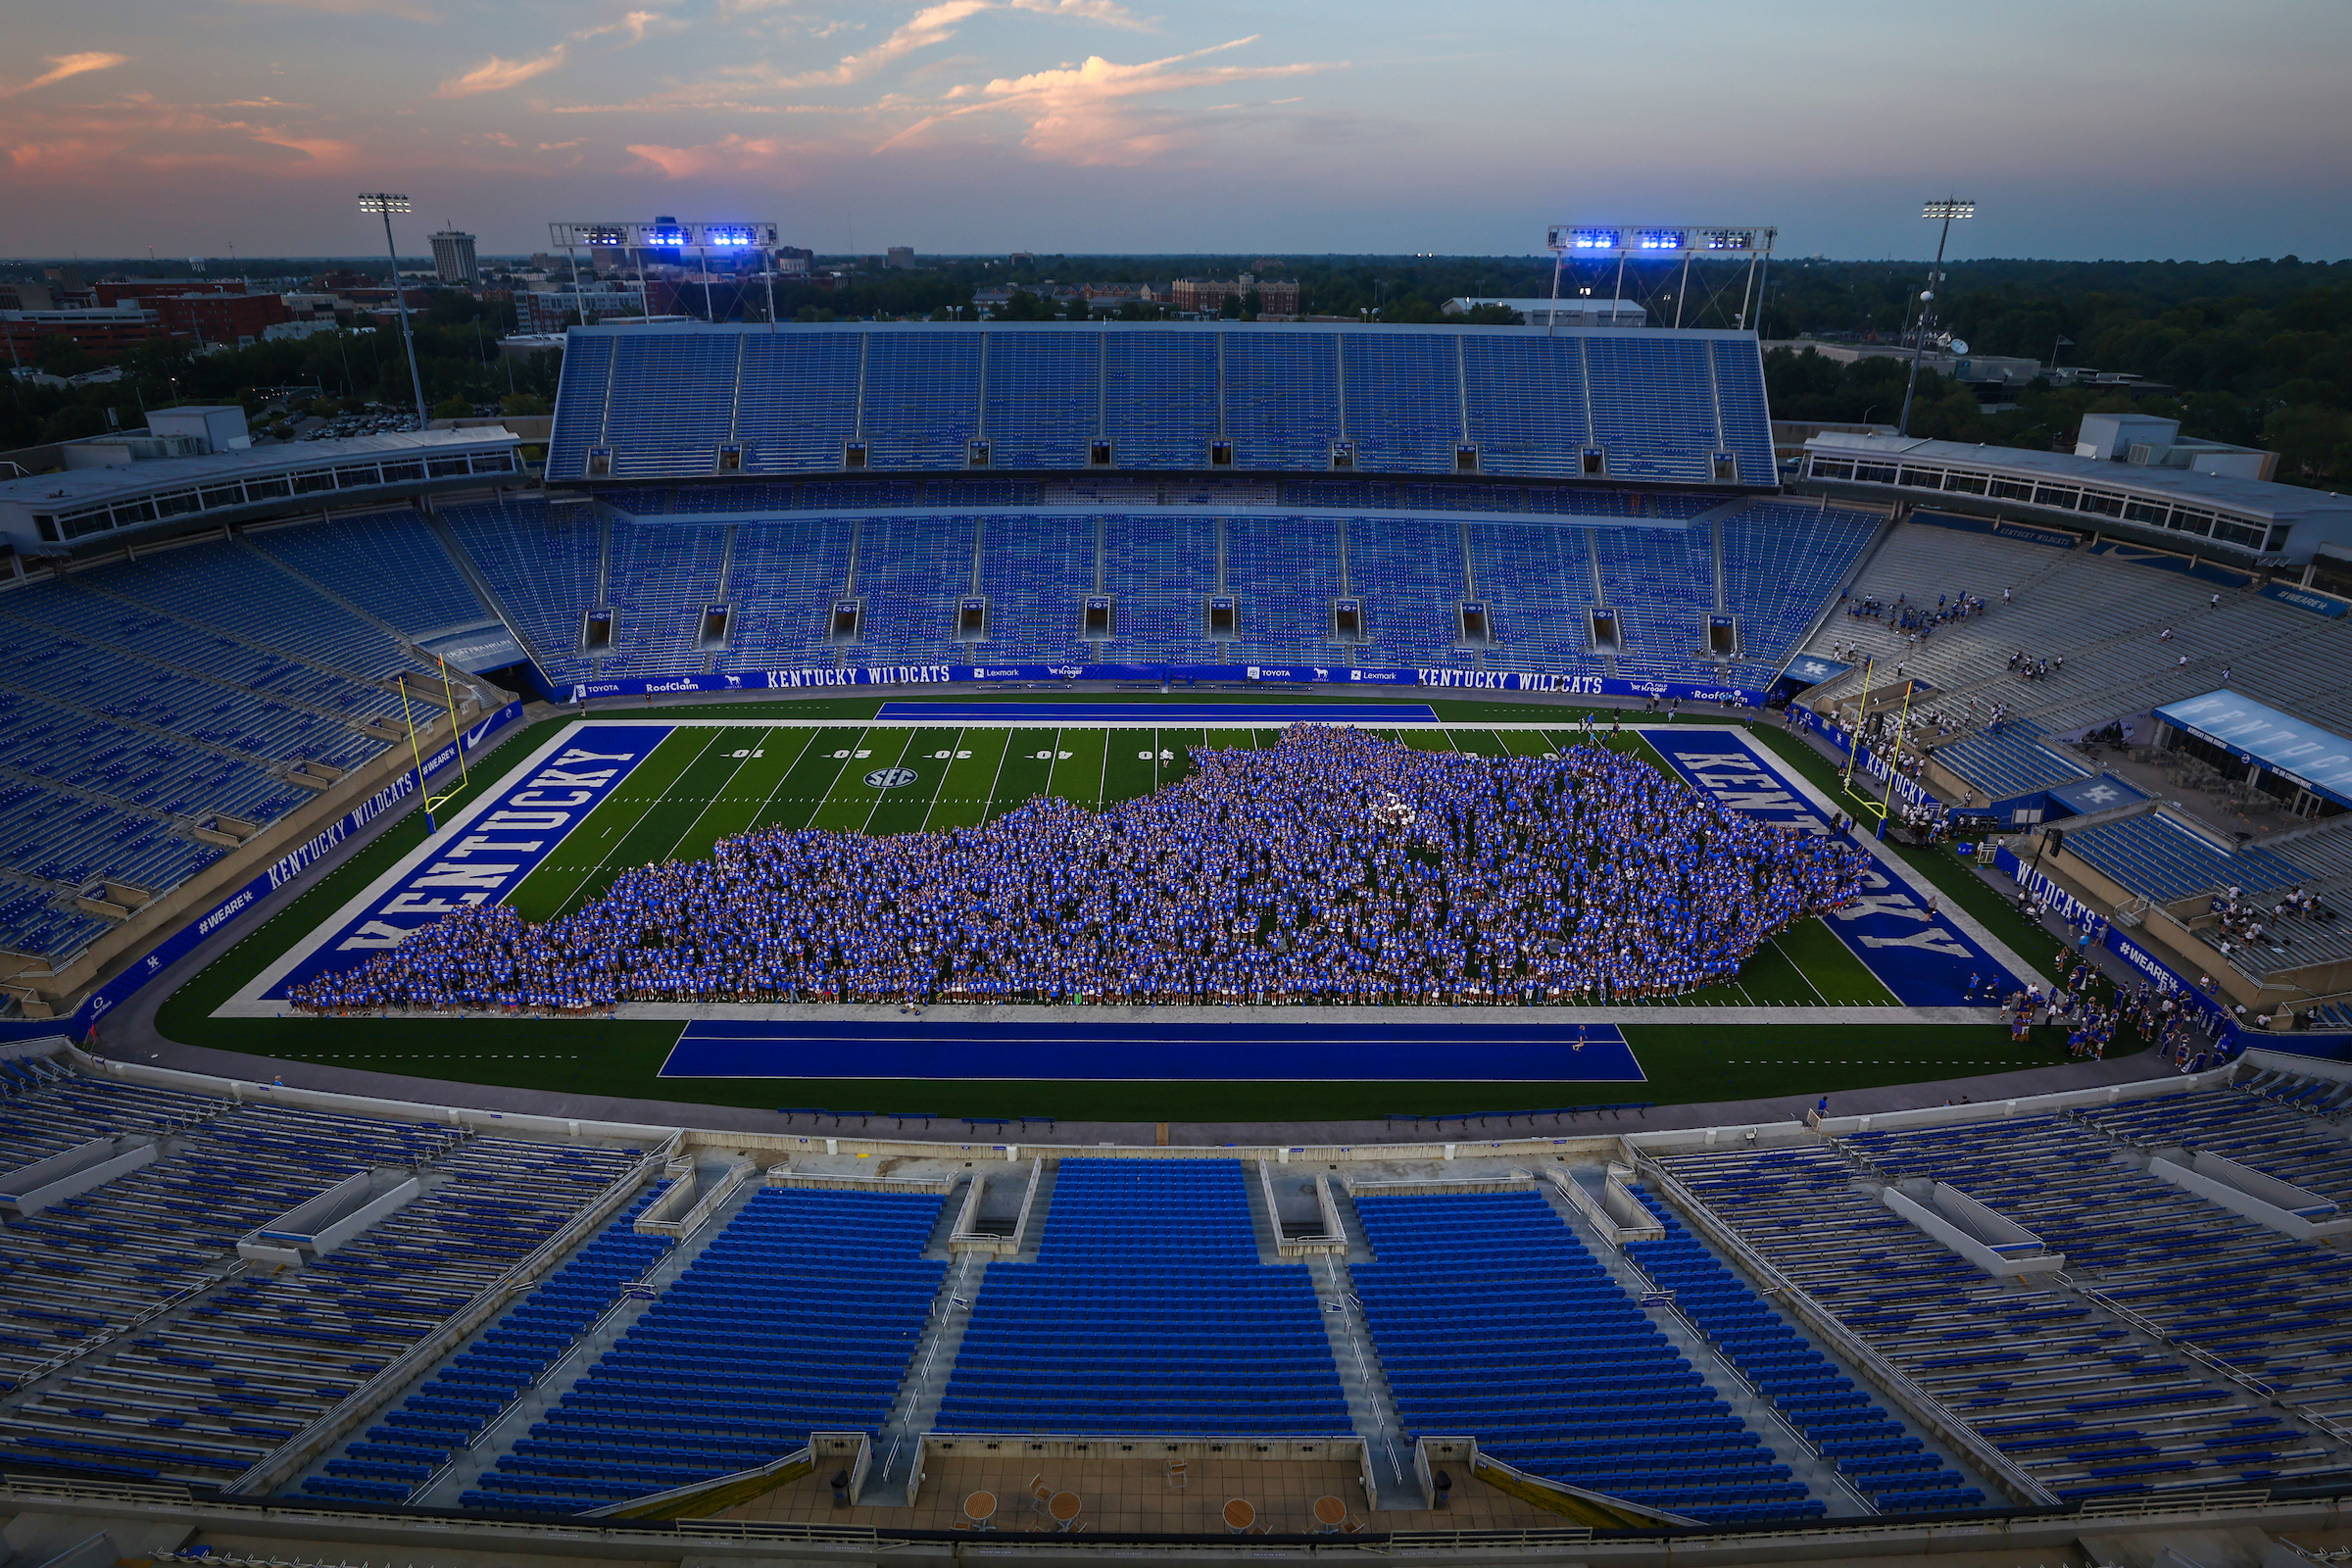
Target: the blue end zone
(1216, 715)
(1469, 1052)
(1915, 949)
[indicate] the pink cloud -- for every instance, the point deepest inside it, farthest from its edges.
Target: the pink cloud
(496, 75)
(62, 66)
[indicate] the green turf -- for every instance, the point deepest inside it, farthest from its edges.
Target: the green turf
(971, 779)
(1686, 1062)
(1028, 765)
(771, 758)
(819, 764)
(1078, 759)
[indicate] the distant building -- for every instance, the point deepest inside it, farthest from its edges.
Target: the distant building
(108, 291)
(1574, 311)
(104, 333)
(900, 256)
(543, 310)
(453, 260)
(2153, 443)
(1207, 295)
(791, 260)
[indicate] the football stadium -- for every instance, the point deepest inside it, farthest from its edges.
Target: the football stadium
(1254, 939)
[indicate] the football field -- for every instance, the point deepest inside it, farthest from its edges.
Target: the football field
(707, 781)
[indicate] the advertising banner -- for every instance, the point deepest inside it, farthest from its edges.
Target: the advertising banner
(821, 676)
(239, 904)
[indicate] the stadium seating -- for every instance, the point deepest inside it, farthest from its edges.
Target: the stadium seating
(140, 695)
(662, 400)
(2157, 857)
(1147, 1311)
(2070, 1395)
(472, 1390)
(2102, 608)
(1492, 1319)
(1894, 1470)
(802, 1316)
(387, 563)
(248, 1358)
(2009, 761)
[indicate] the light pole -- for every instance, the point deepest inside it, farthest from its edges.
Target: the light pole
(1948, 210)
(384, 204)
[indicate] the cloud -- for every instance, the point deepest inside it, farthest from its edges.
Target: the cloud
(936, 23)
(730, 154)
(1098, 113)
(62, 66)
(494, 74)
(633, 23)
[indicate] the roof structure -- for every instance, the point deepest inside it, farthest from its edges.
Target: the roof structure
(2301, 752)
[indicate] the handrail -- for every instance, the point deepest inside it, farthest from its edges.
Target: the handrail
(264, 1474)
(98, 1341)
(2205, 1358)
(1917, 1401)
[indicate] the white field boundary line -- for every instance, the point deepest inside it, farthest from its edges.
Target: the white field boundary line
(250, 1002)
(1893, 864)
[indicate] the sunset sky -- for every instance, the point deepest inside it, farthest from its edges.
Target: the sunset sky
(2083, 127)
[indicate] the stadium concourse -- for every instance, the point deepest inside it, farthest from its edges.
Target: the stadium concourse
(235, 1294)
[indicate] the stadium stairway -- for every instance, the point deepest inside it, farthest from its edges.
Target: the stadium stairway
(1371, 1404)
(1755, 1412)
(470, 1465)
(898, 1445)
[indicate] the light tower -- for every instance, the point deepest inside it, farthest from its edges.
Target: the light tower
(385, 203)
(1946, 210)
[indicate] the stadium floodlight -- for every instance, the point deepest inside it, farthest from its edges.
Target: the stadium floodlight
(732, 238)
(383, 204)
(1944, 211)
(1650, 242)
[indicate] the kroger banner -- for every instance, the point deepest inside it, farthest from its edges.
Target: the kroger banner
(1486, 680)
(240, 904)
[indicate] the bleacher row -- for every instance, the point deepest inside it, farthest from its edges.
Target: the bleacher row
(2104, 610)
(467, 1393)
(2069, 1391)
(1492, 1318)
(139, 697)
(1146, 1310)
(1877, 1457)
(802, 1316)
(108, 1381)
(911, 571)
(662, 402)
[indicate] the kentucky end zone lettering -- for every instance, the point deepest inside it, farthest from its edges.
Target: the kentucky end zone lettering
(1926, 960)
(485, 854)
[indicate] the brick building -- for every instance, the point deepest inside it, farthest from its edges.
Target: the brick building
(1207, 295)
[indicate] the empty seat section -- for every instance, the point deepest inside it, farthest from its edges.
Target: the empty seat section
(1159, 398)
(672, 402)
(387, 563)
(1045, 397)
(1527, 404)
(579, 404)
(782, 582)
(1897, 1472)
(798, 409)
(1652, 404)
(1408, 572)
(1036, 571)
(1282, 398)
(1493, 1321)
(1404, 401)
(922, 399)
(1147, 1312)
(1161, 572)
(1283, 572)
(802, 1316)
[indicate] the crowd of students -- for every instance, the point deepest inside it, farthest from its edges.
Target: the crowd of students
(1335, 868)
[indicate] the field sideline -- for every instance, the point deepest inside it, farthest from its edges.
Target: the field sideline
(684, 802)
